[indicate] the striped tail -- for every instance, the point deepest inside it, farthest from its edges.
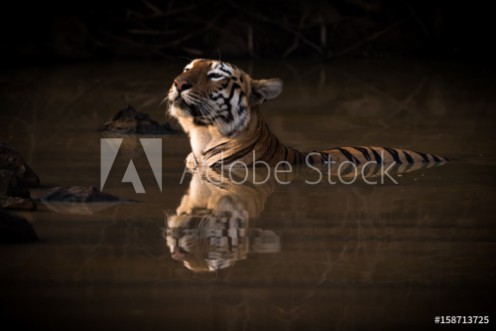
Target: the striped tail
(382, 155)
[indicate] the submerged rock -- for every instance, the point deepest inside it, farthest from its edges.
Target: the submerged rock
(79, 200)
(13, 161)
(131, 121)
(14, 229)
(15, 177)
(77, 194)
(17, 203)
(79, 208)
(12, 185)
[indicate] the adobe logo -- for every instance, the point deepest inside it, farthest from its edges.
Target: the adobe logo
(109, 147)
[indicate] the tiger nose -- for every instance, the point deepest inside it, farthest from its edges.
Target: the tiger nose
(182, 84)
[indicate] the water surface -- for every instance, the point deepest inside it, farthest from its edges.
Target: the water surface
(313, 257)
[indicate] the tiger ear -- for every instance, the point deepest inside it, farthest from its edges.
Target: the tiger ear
(265, 89)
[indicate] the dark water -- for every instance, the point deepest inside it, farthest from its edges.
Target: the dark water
(248, 257)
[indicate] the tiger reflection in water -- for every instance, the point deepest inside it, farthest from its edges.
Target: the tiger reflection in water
(211, 230)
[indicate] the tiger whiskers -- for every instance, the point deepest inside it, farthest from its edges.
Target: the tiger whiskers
(164, 100)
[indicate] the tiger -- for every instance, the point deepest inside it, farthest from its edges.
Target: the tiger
(218, 105)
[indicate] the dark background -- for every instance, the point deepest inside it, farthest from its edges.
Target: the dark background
(90, 30)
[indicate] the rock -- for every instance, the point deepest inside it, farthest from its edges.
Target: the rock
(17, 203)
(131, 121)
(12, 185)
(14, 229)
(12, 160)
(79, 208)
(80, 200)
(15, 177)
(77, 194)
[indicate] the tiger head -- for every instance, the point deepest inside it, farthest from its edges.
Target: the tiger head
(218, 95)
